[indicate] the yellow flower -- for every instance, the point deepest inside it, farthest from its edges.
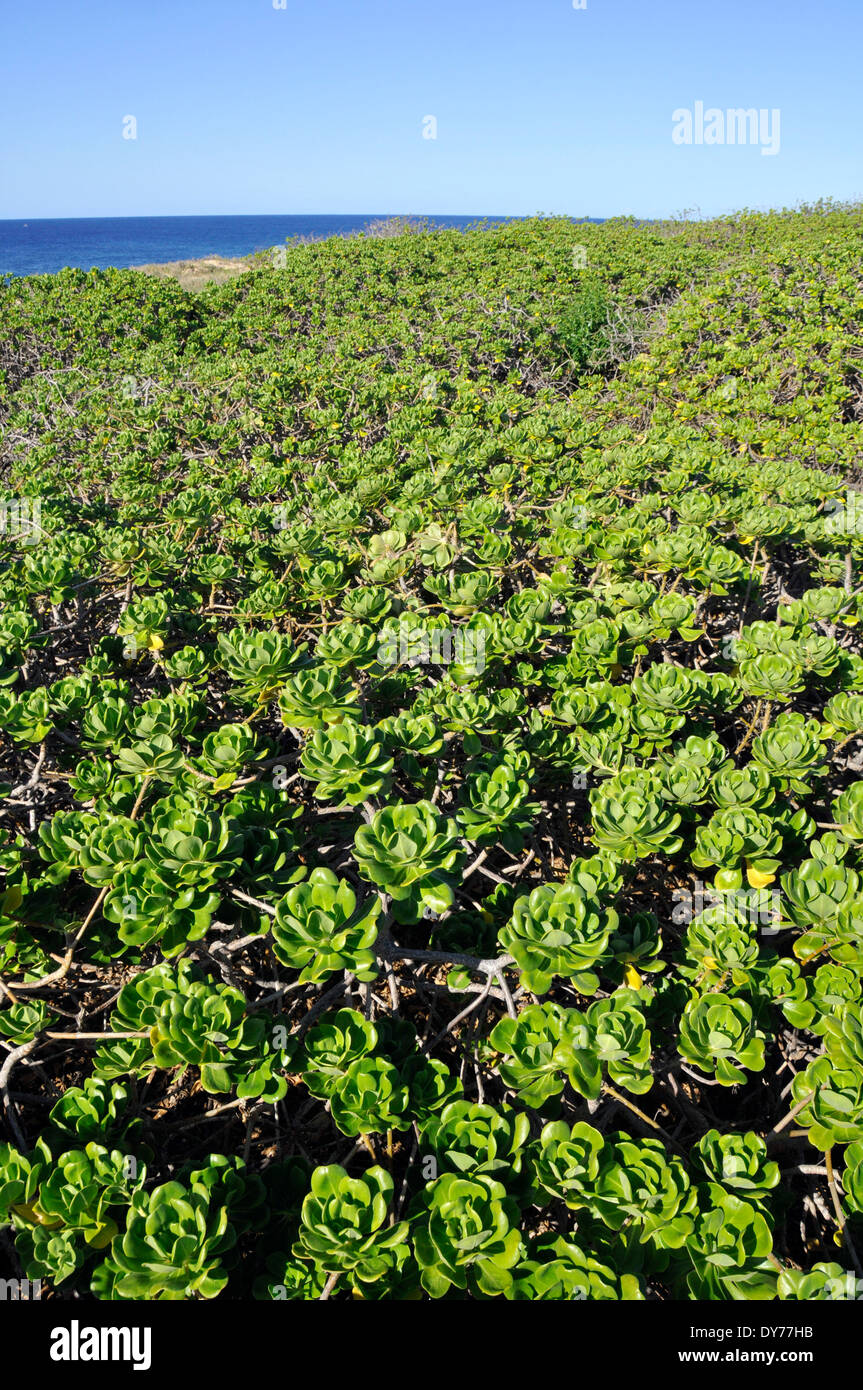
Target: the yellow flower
(757, 879)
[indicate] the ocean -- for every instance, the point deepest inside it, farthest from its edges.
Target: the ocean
(41, 246)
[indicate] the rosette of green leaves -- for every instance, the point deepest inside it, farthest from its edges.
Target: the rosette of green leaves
(843, 714)
(146, 620)
(651, 729)
(476, 1138)
(226, 751)
(462, 594)
(176, 716)
(22, 1021)
(770, 676)
(730, 1251)
(77, 1192)
(70, 696)
(699, 752)
(460, 711)
(408, 733)
(200, 1025)
(147, 908)
(599, 873)
(499, 808)
(848, 813)
(543, 1047)
(815, 892)
(18, 627)
(91, 1111)
(29, 719)
(332, 1045)
(791, 752)
(188, 664)
(466, 1235)
(832, 989)
(113, 845)
(172, 1248)
(641, 1184)
(287, 1279)
(260, 662)
(367, 603)
(681, 782)
(193, 1022)
(631, 820)
(431, 1085)
(666, 688)
(156, 758)
(826, 604)
(635, 946)
(558, 930)
(19, 1182)
(742, 786)
(190, 847)
(344, 1230)
(672, 612)
(318, 928)
(62, 841)
(621, 1040)
(590, 704)
(719, 1035)
(594, 647)
(106, 724)
(843, 1036)
(407, 850)
(738, 834)
(348, 643)
(563, 1272)
(347, 762)
(718, 945)
(565, 1162)
(228, 1180)
(737, 1161)
(312, 699)
(371, 1096)
(267, 601)
(845, 939)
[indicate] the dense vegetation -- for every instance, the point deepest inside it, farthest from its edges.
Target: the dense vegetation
(430, 690)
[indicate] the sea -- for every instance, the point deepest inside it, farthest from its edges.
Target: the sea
(42, 246)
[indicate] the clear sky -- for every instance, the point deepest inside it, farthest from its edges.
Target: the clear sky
(242, 107)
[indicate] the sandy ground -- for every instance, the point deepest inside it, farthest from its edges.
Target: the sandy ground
(197, 275)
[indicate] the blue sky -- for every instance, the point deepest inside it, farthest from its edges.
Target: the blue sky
(242, 107)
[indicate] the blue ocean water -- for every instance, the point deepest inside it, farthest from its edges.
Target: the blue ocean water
(43, 245)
